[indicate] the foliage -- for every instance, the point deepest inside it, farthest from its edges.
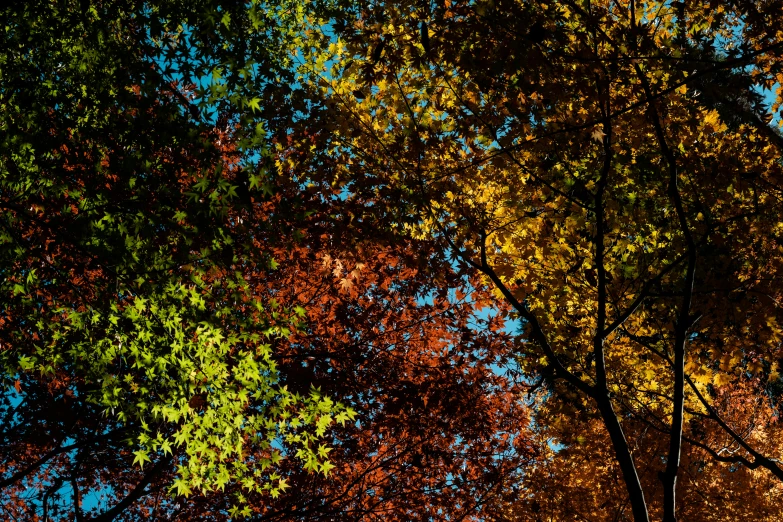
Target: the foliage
(122, 266)
(438, 431)
(220, 220)
(609, 168)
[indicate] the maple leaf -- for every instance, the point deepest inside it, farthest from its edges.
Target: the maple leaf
(346, 284)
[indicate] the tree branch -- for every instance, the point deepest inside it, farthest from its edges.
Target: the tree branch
(758, 458)
(139, 491)
(684, 322)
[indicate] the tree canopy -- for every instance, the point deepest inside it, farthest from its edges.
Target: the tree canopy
(486, 260)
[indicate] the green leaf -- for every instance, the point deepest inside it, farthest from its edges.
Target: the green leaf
(141, 458)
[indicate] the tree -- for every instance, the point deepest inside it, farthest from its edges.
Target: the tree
(437, 424)
(578, 478)
(166, 279)
(120, 321)
(566, 151)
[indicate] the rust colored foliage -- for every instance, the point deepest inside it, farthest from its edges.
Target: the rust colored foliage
(439, 432)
